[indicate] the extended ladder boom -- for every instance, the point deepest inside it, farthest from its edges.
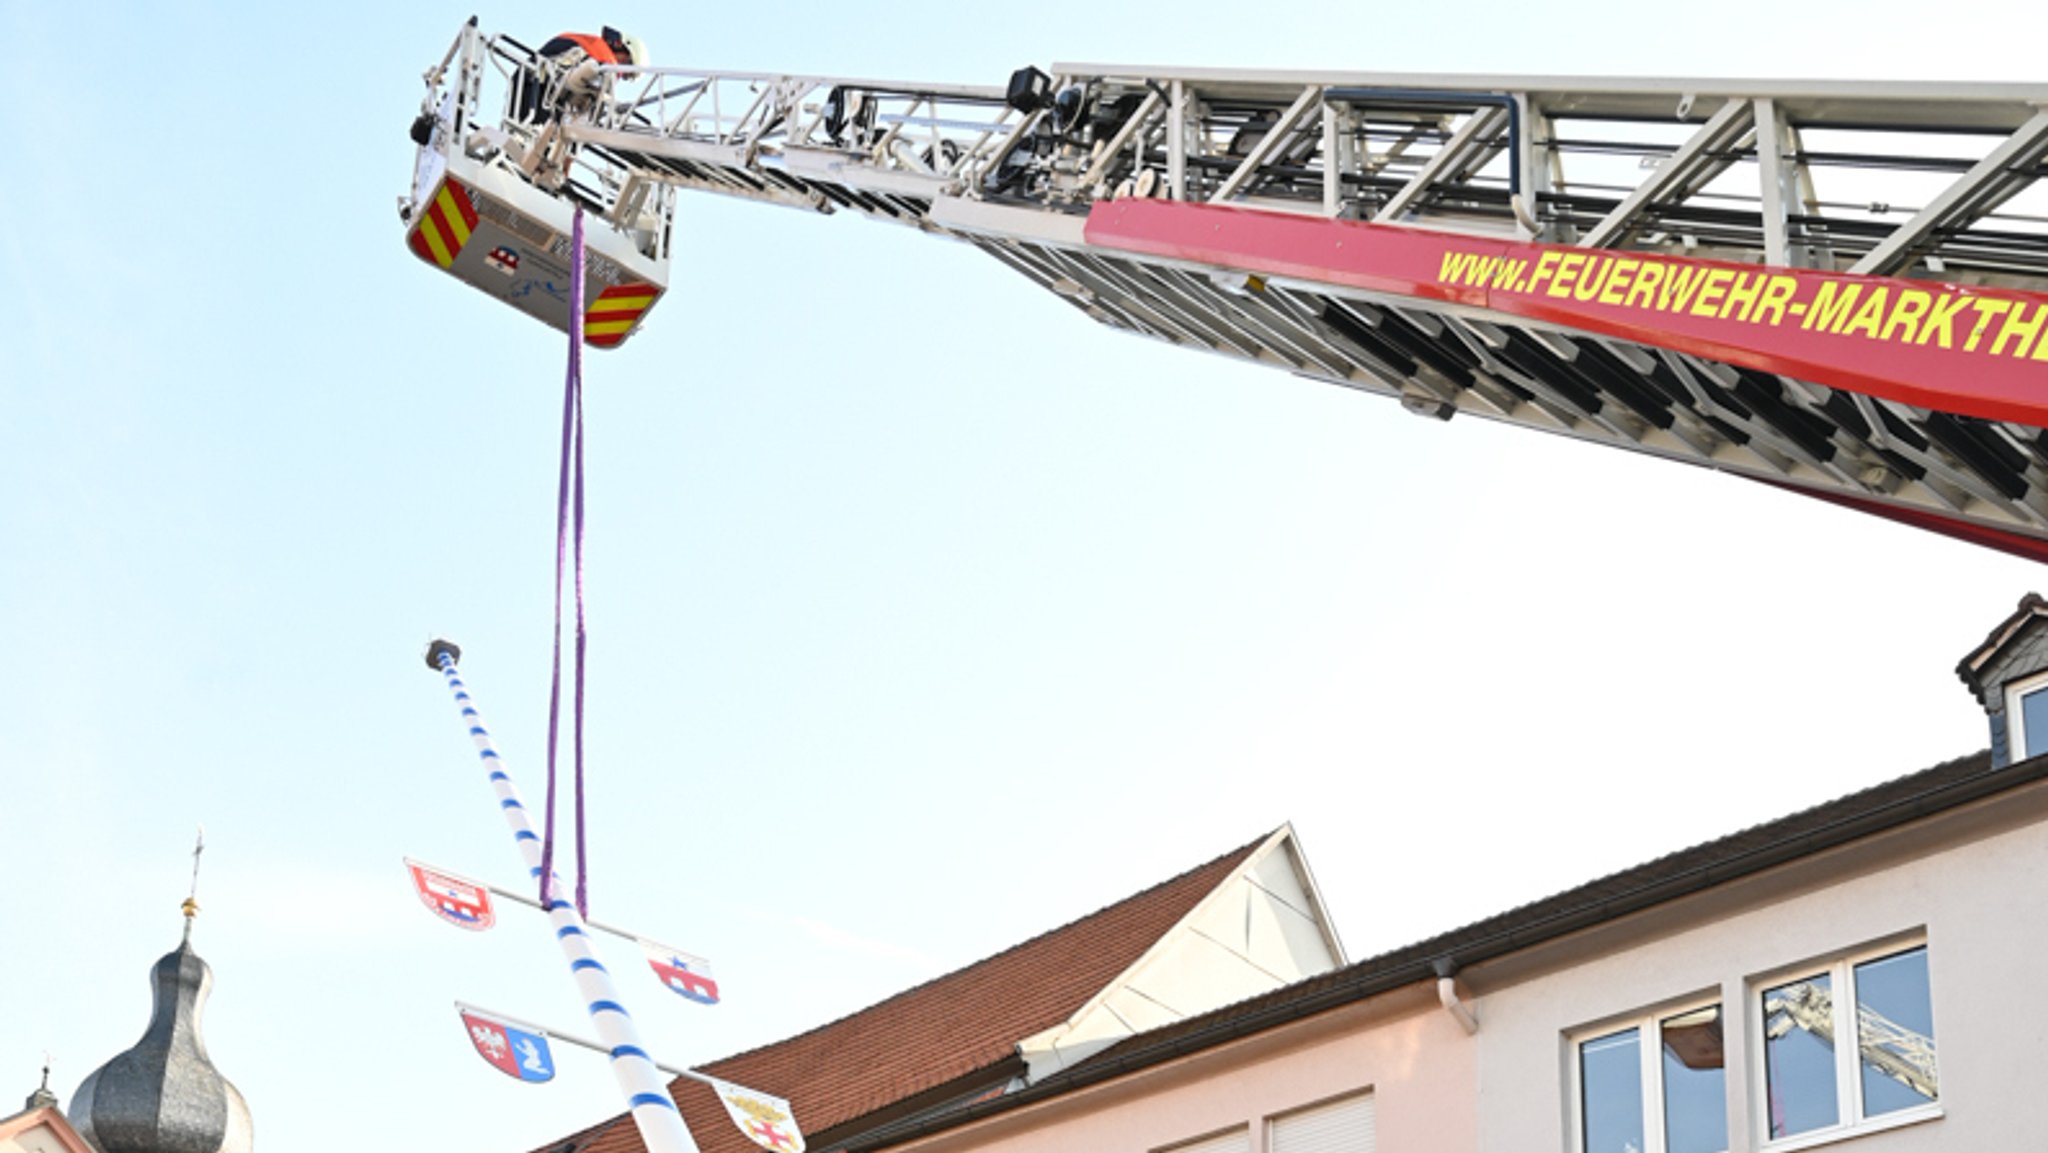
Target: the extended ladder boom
(1837, 288)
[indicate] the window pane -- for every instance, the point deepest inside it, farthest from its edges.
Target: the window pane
(2034, 723)
(1611, 1093)
(1695, 1086)
(1799, 1056)
(1895, 1029)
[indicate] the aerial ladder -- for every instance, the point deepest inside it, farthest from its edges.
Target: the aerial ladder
(1888, 1047)
(1840, 289)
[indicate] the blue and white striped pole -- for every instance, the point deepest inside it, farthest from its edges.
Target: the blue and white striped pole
(647, 1098)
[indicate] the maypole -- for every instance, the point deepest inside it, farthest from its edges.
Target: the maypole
(647, 1098)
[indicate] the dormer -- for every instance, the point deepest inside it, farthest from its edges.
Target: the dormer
(2009, 675)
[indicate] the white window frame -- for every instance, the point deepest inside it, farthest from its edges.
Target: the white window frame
(1234, 1135)
(1650, 1052)
(2016, 717)
(1850, 1121)
(1358, 1097)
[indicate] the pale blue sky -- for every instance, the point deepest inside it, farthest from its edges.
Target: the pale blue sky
(925, 614)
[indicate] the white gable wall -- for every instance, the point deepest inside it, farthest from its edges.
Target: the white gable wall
(40, 1139)
(1263, 927)
(41, 1130)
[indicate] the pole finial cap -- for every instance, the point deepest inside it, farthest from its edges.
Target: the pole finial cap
(437, 648)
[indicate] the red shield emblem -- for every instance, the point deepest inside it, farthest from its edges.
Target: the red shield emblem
(456, 900)
(685, 974)
(513, 1051)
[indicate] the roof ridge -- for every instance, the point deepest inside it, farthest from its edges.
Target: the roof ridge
(1612, 876)
(1240, 852)
(2030, 605)
(1913, 786)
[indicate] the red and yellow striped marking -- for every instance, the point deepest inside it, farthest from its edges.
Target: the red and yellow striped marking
(445, 226)
(616, 310)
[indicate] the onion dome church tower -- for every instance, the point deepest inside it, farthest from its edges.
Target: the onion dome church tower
(164, 1095)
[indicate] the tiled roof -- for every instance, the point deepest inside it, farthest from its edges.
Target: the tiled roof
(1834, 823)
(936, 1035)
(2031, 606)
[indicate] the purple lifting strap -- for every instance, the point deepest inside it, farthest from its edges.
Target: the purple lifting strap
(568, 507)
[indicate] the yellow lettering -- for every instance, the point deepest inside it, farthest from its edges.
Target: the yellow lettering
(1778, 292)
(1869, 313)
(1567, 271)
(1683, 281)
(1589, 285)
(1826, 314)
(1942, 320)
(1644, 290)
(1709, 302)
(1454, 265)
(1906, 314)
(1986, 309)
(2027, 330)
(1743, 294)
(1618, 278)
(1545, 265)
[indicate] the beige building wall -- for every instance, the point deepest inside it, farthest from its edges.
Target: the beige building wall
(1402, 1047)
(1973, 883)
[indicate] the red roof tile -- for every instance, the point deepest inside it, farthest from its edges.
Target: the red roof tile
(925, 1038)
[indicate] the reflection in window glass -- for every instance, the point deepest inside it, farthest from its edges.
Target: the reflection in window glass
(1611, 1093)
(1895, 1026)
(1695, 1086)
(2034, 723)
(1799, 1056)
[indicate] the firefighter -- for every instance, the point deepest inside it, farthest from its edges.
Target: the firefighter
(563, 55)
(608, 47)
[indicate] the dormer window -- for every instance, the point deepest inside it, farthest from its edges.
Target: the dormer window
(2026, 706)
(2008, 674)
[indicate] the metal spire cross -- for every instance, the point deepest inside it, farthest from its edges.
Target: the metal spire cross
(191, 905)
(42, 1097)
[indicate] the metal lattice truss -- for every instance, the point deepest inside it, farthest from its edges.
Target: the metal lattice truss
(1938, 184)
(1881, 1043)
